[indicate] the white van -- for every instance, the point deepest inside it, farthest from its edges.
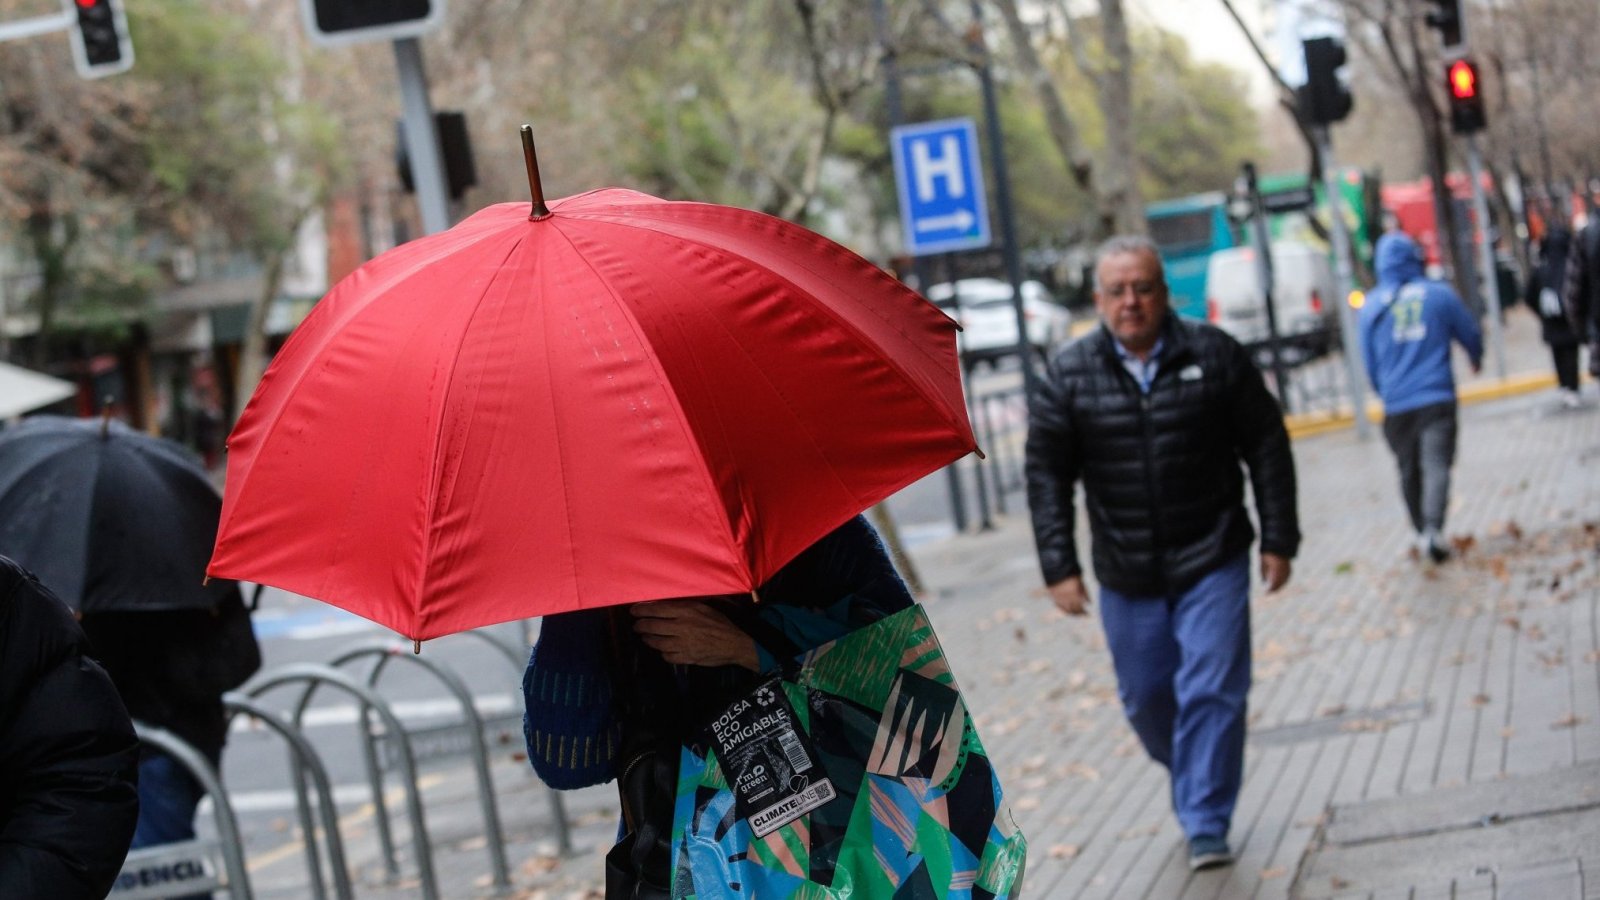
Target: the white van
(1302, 291)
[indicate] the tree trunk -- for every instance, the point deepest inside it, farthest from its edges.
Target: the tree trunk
(1120, 185)
(1080, 164)
(253, 346)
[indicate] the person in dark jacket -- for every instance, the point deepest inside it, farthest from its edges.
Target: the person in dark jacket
(1543, 296)
(68, 754)
(1154, 415)
(1582, 290)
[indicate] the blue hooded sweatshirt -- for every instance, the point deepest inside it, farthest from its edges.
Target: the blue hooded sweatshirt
(1407, 324)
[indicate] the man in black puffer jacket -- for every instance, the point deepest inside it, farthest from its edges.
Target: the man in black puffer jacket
(68, 754)
(1155, 415)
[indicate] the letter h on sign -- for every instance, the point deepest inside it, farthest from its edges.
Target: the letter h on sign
(939, 178)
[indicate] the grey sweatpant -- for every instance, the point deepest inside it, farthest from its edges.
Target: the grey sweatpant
(1424, 445)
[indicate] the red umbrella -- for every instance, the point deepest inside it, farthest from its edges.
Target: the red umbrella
(618, 399)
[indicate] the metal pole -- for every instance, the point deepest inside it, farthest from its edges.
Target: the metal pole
(919, 266)
(1263, 241)
(422, 138)
(974, 402)
(1002, 196)
(1345, 279)
(1491, 284)
(24, 28)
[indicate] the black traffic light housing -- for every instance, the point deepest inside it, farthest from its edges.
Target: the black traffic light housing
(1325, 97)
(100, 44)
(349, 21)
(1465, 91)
(455, 149)
(1445, 17)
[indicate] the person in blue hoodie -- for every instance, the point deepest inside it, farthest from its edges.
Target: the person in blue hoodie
(1407, 326)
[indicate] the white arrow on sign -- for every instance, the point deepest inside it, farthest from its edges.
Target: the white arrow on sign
(960, 220)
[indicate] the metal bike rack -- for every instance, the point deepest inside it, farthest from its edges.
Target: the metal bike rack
(304, 761)
(313, 677)
(518, 659)
(149, 873)
(382, 651)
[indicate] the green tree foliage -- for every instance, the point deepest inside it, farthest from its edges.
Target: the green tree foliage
(1194, 126)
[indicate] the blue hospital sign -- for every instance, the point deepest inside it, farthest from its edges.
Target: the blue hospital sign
(940, 181)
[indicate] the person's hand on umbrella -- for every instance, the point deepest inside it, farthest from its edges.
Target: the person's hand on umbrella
(693, 633)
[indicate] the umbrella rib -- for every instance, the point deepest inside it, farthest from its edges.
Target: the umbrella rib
(434, 474)
(830, 247)
(683, 418)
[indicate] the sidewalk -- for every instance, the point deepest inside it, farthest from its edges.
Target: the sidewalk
(1375, 679)
(1415, 732)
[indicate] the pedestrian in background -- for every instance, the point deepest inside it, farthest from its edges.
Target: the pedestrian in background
(1582, 291)
(172, 668)
(68, 754)
(1154, 415)
(1545, 286)
(1407, 326)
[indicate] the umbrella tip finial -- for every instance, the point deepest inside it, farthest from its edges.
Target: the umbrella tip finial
(416, 647)
(105, 417)
(535, 187)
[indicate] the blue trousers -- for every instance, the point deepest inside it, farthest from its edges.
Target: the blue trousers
(1183, 673)
(168, 796)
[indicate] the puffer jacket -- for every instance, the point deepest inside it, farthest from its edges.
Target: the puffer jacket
(68, 754)
(1161, 472)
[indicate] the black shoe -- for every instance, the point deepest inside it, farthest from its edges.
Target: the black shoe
(1436, 548)
(1207, 852)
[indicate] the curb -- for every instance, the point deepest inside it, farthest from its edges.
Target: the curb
(1307, 424)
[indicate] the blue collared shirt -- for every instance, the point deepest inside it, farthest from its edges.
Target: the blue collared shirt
(1142, 370)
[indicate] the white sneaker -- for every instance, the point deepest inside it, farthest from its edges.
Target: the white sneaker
(1570, 398)
(1431, 546)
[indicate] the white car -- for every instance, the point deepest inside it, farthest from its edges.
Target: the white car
(989, 322)
(1303, 300)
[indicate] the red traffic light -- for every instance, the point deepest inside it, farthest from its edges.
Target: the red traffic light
(1463, 80)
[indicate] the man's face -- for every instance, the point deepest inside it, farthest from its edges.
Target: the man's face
(1131, 298)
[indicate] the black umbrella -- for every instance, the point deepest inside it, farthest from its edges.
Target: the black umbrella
(107, 517)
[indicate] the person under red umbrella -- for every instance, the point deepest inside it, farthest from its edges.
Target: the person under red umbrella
(606, 689)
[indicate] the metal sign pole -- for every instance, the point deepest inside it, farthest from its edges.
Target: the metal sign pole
(422, 137)
(1263, 243)
(1491, 284)
(1002, 196)
(891, 78)
(1345, 277)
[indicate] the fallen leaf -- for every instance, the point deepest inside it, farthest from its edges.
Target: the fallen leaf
(1570, 720)
(1062, 851)
(1508, 732)
(1274, 872)
(1344, 568)
(1479, 700)
(1021, 634)
(1027, 803)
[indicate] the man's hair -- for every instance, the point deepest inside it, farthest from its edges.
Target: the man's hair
(1117, 245)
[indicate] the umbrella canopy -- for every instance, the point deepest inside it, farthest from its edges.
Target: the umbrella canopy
(109, 518)
(624, 399)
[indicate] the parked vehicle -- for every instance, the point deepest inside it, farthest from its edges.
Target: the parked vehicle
(1187, 231)
(989, 322)
(1303, 295)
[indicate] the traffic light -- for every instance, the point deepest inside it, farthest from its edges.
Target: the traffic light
(1445, 17)
(1466, 97)
(455, 150)
(100, 44)
(1325, 98)
(348, 21)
